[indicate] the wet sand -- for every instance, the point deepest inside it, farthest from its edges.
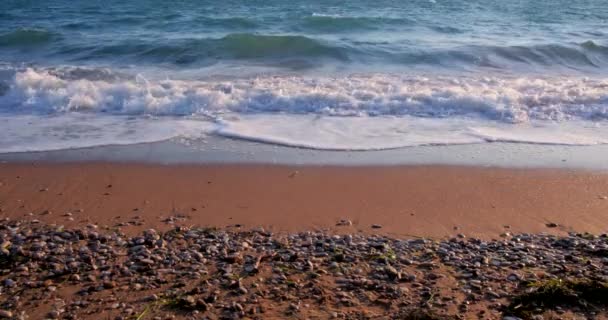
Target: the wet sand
(405, 201)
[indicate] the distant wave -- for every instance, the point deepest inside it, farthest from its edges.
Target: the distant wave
(237, 46)
(307, 51)
(447, 29)
(586, 54)
(347, 24)
(26, 38)
(246, 45)
(504, 99)
(227, 22)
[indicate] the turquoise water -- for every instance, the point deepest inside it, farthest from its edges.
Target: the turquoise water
(447, 34)
(345, 74)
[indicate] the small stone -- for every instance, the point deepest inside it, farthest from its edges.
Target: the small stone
(9, 283)
(53, 314)
(5, 314)
(551, 225)
(513, 277)
(344, 223)
(109, 284)
(294, 307)
(242, 290)
(392, 273)
(376, 226)
(152, 298)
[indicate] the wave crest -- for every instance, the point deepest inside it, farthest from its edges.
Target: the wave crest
(503, 99)
(247, 45)
(26, 37)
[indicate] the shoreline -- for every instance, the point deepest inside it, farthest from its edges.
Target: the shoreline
(404, 201)
(215, 150)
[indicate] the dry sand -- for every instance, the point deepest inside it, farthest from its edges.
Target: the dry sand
(407, 201)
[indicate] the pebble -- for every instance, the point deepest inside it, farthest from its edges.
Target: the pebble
(365, 268)
(344, 222)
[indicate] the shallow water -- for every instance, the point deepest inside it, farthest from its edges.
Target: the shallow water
(318, 74)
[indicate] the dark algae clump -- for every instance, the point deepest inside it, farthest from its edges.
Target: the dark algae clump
(539, 296)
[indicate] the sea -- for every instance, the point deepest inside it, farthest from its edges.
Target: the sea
(319, 74)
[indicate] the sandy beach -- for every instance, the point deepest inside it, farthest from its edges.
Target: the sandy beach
(405, 201)
(142, 241)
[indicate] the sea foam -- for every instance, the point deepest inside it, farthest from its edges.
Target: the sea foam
(505, 99)
(366, 111)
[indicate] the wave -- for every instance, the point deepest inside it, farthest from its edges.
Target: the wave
(587, 54)
(79, 107)
(310, 52)
(246, 45)
(575, 56)
(26, 38)
(228, 22)
(307, 51)
(498, 98)
(347, 24)
(446, 29)
(237, 46)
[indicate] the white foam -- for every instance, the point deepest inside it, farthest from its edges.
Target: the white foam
(347, 133)
(376, 133)
(68, 131)
(44, 110)
(501, 98)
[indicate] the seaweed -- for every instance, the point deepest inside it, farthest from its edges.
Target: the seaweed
(421, 314)
(583, 294)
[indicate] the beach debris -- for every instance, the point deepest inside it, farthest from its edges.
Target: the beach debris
(376, 226)
(551, 225)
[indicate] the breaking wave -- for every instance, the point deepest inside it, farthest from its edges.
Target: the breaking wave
(505, 99)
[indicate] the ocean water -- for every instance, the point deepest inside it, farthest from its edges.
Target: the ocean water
(339, 75)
